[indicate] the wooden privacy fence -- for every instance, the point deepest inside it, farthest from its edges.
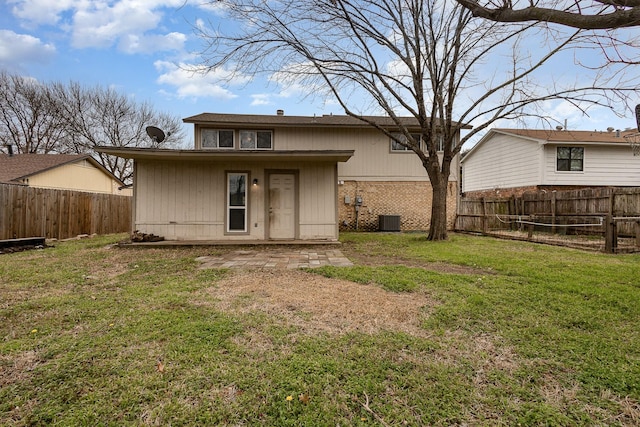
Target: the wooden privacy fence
(611, 213)
(61, 214)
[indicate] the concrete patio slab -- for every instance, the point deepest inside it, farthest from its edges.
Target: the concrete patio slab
(276, 258)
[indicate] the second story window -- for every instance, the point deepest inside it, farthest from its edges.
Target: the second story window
(217, 138)
(570, 159)
(397, 146)
(256, 140)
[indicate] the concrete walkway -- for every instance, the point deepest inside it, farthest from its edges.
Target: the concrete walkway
(277, 258)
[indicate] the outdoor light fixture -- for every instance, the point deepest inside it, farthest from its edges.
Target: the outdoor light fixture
(255, 182)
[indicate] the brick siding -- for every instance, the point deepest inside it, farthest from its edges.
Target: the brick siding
(409, 199)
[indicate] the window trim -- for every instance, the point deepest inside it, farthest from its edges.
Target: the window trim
(570, 159)
(228, 206)
(217, 147)
(255, 132)
(403, 149)
(423, 146)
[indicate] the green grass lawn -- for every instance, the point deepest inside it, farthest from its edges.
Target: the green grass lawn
(518, 334)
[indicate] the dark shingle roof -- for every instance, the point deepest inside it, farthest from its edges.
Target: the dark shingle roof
(20, 166)
(304, 121)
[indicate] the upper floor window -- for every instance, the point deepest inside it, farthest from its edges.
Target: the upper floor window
(256, 140)
(398, 147)
(215, 138)
(570, 158)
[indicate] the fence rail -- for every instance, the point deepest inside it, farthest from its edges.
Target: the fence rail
(61, 214)
(611, 213)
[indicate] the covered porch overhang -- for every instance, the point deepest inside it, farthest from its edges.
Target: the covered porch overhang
(227, 156)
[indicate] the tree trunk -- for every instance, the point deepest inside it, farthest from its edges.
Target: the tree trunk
(438, 228)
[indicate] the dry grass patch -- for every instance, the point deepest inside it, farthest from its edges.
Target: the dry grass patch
(319, 304)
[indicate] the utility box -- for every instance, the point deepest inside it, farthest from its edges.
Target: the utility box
(388, 222)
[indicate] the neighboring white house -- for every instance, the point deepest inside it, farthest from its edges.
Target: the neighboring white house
(78, 172)
(270, 177)
(516, 160)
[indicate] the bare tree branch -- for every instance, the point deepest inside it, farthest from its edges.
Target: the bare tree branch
(428, 59)
(624, 13)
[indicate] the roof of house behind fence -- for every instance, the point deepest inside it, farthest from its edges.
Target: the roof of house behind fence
(19, 166)
(578, 136)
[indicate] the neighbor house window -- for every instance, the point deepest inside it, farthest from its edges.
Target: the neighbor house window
(570, 158)
(256, 139)
(237, 202)
(217, 138)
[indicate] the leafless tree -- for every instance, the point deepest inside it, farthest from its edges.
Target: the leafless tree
(69, 118)
(584, 14)
(97, 117)
(429, 59)
(25, 116)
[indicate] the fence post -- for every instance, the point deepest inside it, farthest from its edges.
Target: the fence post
(553, 212)
(636, 229)
(610, 235)
(484, 216)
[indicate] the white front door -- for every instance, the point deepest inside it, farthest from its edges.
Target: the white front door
(282, 206)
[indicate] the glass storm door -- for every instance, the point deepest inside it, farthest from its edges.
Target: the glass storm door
(237, 202)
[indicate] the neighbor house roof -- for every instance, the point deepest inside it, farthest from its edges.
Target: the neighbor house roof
(302, 121)
(16, 167)
(547, 136)
(577, 136)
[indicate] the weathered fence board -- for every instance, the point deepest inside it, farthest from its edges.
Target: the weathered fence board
(610, 210)
(31, 212)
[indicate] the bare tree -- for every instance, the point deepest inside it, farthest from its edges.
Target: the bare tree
(97, 117)
(25, 116)
(429, 59)
(584, 14)
(69, 118)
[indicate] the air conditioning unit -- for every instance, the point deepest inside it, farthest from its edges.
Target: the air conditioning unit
(388, 222)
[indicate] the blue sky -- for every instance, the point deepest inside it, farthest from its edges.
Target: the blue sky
(144, 48)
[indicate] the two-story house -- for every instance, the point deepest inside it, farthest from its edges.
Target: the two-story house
(278, 177)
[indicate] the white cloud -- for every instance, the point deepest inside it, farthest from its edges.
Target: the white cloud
(261, 99)
(217, 8)
(134, 43)
(41, 11)
(193, 81)
(101, 25)
(131, 25)
(17, 49)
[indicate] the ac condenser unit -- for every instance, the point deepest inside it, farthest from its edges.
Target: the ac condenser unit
(388, 222)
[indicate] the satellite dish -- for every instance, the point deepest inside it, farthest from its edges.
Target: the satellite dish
(155, 133)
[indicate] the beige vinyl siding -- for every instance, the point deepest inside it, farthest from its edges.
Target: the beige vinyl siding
(372, 160)
(318, 201)
(80, 176)
(612, 165)
(502, 162)
(186, 201)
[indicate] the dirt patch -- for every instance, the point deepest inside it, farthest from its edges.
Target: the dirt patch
(17, 367)
(318, 304)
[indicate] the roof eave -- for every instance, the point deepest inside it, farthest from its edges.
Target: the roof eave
(230, 155)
